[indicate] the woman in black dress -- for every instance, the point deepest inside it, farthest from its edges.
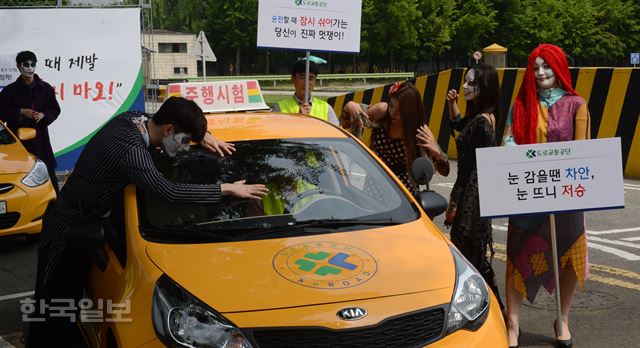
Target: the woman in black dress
(470, 233)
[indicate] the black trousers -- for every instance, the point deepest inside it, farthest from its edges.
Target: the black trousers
(66, 282)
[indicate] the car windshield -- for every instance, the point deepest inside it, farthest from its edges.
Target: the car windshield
(315, 186)
(5, 136)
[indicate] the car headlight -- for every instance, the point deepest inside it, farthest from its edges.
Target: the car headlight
(181, 320)
(470, 302)
(37, 176)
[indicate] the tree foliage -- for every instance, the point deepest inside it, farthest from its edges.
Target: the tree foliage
(412, 31)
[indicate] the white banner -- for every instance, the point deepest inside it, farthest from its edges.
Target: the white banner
(550, 177)
(92, 57)
(312, 25)
(221, 96)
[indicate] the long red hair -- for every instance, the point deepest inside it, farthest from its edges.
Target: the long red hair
(525, 108)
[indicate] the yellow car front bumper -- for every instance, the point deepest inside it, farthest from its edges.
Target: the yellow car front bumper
(25, 205)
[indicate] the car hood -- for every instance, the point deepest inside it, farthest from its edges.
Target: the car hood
(301, 271)
(14, 158)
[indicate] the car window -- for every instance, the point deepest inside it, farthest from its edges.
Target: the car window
(5, 136)
(327, 182)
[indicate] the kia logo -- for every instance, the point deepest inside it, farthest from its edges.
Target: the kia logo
(352, 313)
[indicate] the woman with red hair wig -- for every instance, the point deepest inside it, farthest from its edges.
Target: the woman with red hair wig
(547, 109)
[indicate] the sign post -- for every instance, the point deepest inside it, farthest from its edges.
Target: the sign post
(326, 25)
(202, 50)
(550, 178)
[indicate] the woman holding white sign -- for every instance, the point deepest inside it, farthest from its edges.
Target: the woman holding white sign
(470, 233)
(547, 109)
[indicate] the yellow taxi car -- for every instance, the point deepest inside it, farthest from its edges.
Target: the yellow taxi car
(25, 188)
(339, 254)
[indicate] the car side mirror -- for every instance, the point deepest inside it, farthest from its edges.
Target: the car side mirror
(89, 235)
(432, 202)
(26, 133)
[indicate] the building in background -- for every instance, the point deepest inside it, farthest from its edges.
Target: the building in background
(169, 52)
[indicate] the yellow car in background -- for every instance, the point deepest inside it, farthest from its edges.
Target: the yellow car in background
(25, 188)
(339, 254)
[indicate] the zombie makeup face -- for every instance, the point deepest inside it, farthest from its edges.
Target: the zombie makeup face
(545, 77)
(471, 88)
(176, 142)
(27, 68)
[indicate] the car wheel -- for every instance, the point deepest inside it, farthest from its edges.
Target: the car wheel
(33, 238)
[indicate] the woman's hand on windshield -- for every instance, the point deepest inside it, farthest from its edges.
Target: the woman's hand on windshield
(213, 144)
(242, 190)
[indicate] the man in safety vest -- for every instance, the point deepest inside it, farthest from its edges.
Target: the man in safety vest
(290, 197)
(295, 104)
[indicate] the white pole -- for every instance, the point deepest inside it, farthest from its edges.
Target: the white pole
(556, 273)
(204, 62)
(306, 79)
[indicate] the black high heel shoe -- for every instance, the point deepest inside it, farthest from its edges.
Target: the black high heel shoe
(562, 343)
(517, 339)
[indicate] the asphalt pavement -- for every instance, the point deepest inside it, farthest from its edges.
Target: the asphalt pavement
(605, 312)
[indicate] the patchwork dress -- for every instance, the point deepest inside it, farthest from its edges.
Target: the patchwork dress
(561, 117)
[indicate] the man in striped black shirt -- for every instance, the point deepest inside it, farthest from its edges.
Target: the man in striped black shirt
(117, 155)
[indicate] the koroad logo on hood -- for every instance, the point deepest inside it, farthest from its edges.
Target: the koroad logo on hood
(325, 265)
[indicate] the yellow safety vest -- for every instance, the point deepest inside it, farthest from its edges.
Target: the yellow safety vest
(273, 203)
(319, 107)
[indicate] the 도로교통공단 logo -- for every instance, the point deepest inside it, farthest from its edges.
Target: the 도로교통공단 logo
(531, 153)
(325, 265)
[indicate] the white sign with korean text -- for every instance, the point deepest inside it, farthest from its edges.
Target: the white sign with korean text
(223, 96)
(92, 58)
(312, 25)
(550, 177)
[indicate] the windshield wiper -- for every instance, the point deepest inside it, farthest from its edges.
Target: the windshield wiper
(278, 229)
(329, 225)
(184, 235)
(337, 223)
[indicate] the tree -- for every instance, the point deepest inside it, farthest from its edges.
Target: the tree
(475, 24)
(618, 29)
(233, 25)
(390, 28)
(532, 23)
(179, 15)
(437, 26)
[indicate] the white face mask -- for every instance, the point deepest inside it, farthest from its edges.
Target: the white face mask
(545, 77)
(173, 143)
(471, 89)
(28, 68)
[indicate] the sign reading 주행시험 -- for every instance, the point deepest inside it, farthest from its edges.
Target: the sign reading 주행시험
(318, 25)
(222, 96)
(550, 177)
